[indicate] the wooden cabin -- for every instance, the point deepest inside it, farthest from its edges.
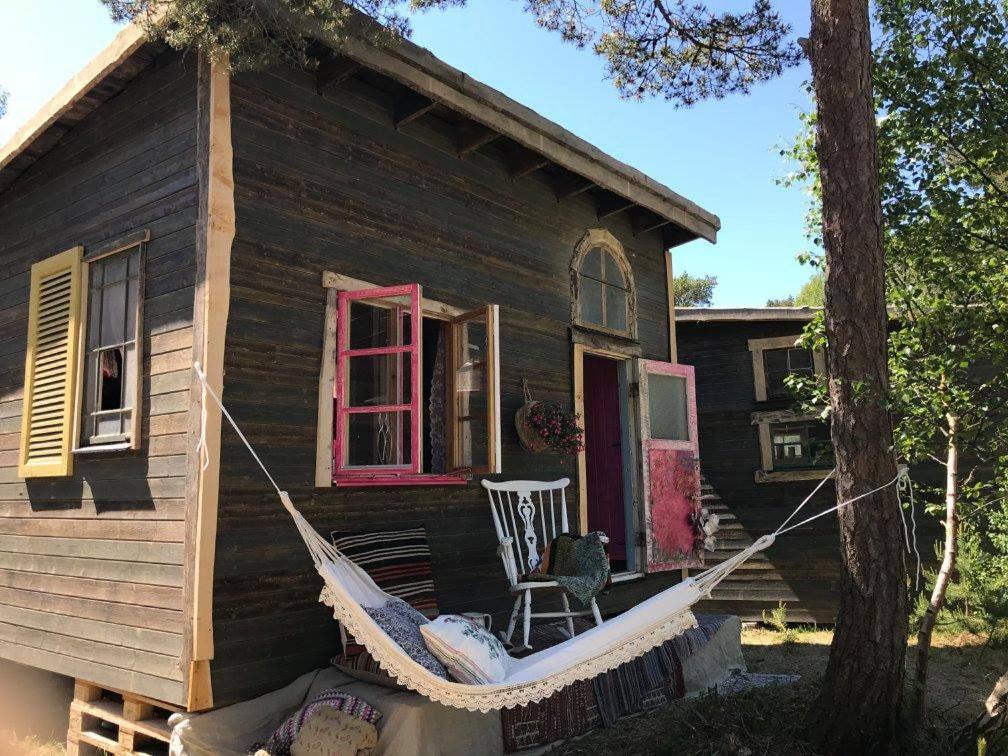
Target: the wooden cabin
(760, 458)
(160, 211)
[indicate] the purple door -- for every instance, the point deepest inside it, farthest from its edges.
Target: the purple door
(604, 453)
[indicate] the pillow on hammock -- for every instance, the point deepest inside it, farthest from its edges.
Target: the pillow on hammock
(470, 653)
(402, 623)
(399, 561)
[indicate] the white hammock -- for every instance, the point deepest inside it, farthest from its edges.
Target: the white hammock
(348, 590)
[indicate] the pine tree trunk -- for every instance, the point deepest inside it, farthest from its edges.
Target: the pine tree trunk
(857, 710)
(944, 574)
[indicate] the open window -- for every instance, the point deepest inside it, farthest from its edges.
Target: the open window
(774, 359)
(792, 446)
(415, 389)
(671, 468)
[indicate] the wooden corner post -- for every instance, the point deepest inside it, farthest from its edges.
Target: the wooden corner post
(215, 233)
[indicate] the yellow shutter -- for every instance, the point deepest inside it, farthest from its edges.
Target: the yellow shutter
(50, 390)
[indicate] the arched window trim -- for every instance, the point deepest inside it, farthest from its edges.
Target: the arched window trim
(599, 237)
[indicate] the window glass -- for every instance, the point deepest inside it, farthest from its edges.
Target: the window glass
(801, 445)
(613, 274)
(378, 380)
(667, 407)
(616, 308)
(780, 363)
(380, 322)
(602, 291)
(590, 293)
(591, 266)
(471, 393)
(378, 439)
(110, 361)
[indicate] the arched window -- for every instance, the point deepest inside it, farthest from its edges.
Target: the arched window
(603, 286)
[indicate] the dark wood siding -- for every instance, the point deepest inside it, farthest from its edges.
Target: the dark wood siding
(328, 184)
(801, 569)
(91, 566)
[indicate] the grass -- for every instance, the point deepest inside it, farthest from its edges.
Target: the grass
(12, 745)
(769, 720)
(761, 722)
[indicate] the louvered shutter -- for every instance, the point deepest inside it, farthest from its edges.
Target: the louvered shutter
(51, 381)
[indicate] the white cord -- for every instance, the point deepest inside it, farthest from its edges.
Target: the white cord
(901, 471)
(206, 388)
(807, 500)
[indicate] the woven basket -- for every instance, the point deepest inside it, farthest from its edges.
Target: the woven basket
(530, 440)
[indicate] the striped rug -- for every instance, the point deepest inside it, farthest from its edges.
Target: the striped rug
(399, 561)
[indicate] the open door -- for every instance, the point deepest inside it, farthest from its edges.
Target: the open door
(670, 462)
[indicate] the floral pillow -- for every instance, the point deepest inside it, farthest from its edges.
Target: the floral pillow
(470, 653)
(402, 623)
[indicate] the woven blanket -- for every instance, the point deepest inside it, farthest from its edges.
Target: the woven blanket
(580, 565)
(651, 680)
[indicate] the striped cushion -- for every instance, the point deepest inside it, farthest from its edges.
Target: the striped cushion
(397, 560)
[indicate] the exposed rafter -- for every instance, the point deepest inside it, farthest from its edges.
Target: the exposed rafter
(526, 162)
(474, 136)
(572, 186)
(644, 221)
(332, 70)
(409, 107)
(673, 236)
(612, 205)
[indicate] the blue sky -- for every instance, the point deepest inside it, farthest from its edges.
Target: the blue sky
(722, 155)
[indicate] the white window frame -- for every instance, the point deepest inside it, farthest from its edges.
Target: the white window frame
(334, 283)
(601, 238)
(767, 473)
(758, 346)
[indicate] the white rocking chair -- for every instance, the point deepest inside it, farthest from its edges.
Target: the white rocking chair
(540, 511)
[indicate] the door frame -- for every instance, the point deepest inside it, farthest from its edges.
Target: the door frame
(627, 357)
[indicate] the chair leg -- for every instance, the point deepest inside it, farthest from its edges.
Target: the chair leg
(528, 617)
(596, 612)
(513, 620)
(570, 619)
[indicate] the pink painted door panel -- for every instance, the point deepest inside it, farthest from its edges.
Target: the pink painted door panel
(604, 453)
(671, 469)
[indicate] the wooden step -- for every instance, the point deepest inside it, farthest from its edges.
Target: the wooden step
(108, 721)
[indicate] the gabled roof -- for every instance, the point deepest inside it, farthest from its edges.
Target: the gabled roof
(533, 143)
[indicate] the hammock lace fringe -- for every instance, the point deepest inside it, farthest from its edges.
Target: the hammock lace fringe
(485, 698)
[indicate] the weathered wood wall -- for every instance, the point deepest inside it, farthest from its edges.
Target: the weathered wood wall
(328, 183)
(801, 569)
(91, 567)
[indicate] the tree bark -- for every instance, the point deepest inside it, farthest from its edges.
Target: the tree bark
(944, 573)
(858, 708)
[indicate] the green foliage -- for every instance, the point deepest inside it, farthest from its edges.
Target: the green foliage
(676, 49)
(941, 78)
(693, 291)
(811, 294)
(257, 33)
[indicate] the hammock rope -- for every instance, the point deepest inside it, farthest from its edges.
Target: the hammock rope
(349, 591)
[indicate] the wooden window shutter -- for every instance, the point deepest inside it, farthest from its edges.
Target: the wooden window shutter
(51, 382)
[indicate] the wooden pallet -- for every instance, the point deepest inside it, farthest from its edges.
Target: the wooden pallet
(107, 721)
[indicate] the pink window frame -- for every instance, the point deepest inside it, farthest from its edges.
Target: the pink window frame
(682, 371)
(385, 476)
(343, 411)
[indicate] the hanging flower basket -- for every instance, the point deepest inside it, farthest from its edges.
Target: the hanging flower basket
(547, 425)
(530, 440)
